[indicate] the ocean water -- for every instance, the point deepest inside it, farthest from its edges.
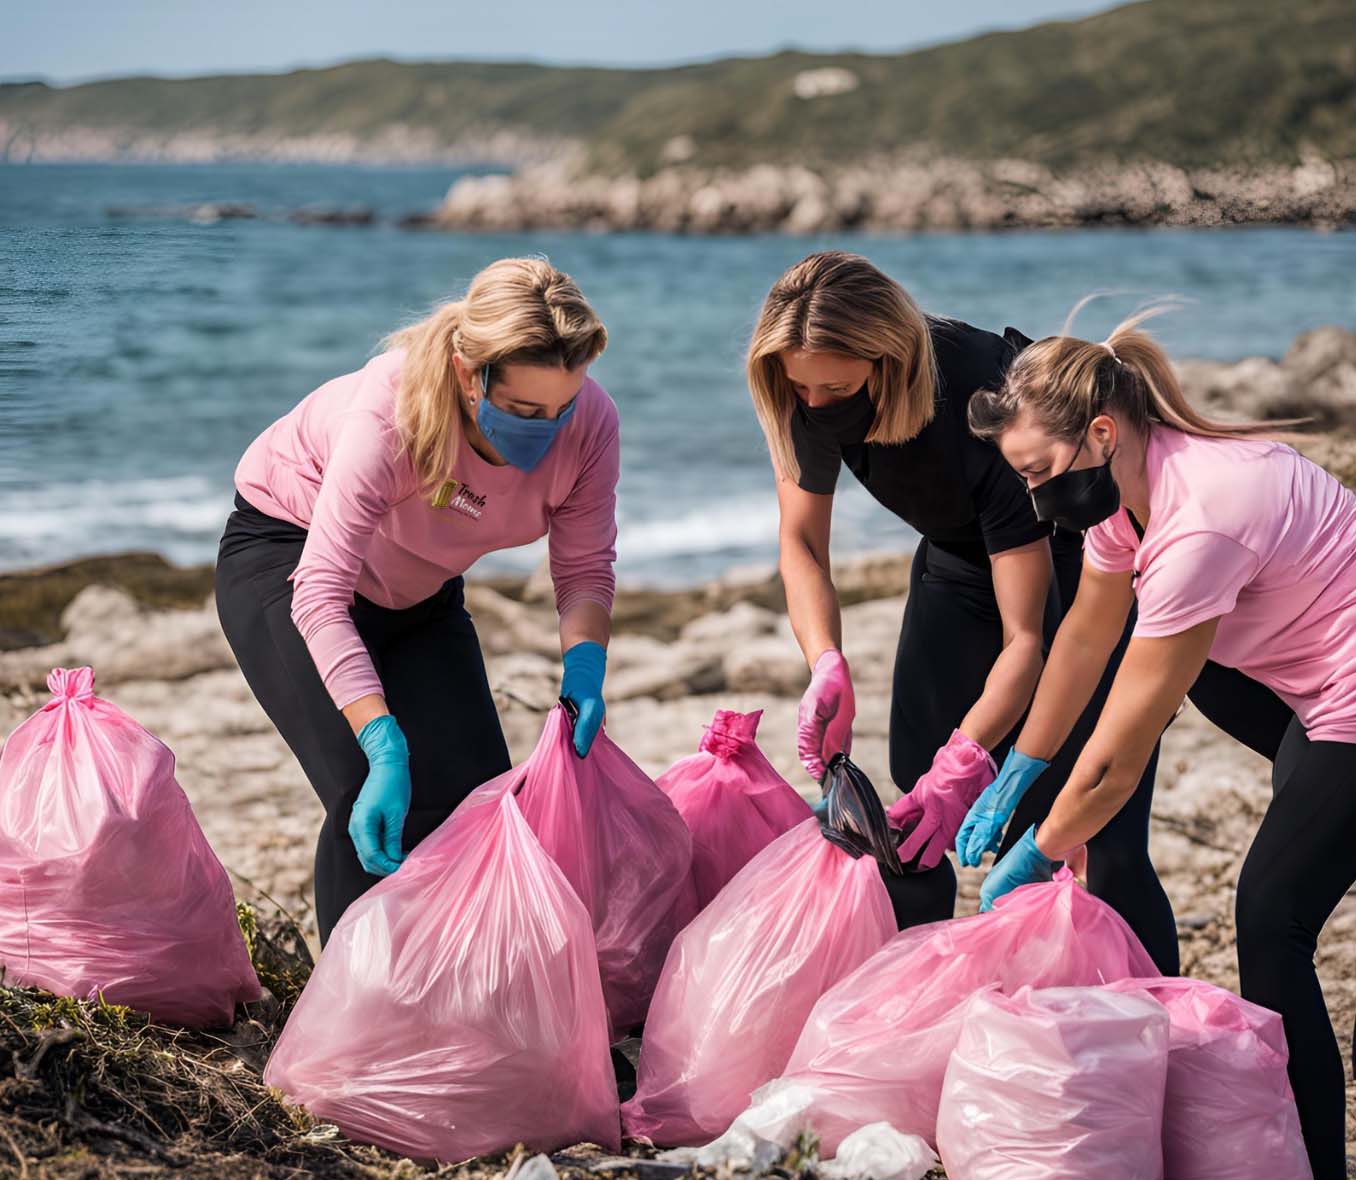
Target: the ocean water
(139, 356)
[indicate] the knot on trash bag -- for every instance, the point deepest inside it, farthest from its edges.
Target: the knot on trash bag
(853, 817)
(70, 684)
(729, 732)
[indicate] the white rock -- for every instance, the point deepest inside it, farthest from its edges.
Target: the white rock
(529, 679)
(823, 82)
(769, 664)
(96, 608)
(743, 621)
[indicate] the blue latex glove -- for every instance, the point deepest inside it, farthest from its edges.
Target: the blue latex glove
(982, 829)
(378, 816)
(582, 686)
(1023, 864)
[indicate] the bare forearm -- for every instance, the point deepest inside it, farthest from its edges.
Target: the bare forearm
(811, 602)
(585, 622)
(1150, 684)
(1096, 790)
(1077, 660)
(363, 710)
(1007, 692)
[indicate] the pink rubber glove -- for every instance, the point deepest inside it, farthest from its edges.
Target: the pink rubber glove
(824, 721)
(934, 810)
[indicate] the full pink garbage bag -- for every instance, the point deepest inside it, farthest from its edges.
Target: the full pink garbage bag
(107, 883)
(457, 1008)
(741, 978)
(733, 802)
(875, 1047)
(1061, 1084)
(1230, 1113)
(624, 848)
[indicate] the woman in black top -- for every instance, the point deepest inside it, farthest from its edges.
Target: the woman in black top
(845, 369)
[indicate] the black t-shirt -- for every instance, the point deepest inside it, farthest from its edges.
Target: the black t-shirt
(955, 490)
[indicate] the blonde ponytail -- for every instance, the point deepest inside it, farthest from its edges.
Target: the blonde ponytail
(429, 404)
(517, 311)
(1067, 382)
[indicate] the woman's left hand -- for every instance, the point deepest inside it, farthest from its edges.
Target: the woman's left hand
(931, 813)
(582, 685)
(1023, 864)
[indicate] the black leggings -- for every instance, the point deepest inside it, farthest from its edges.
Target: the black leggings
(431, 670)
(1299, 867)
(951, 636)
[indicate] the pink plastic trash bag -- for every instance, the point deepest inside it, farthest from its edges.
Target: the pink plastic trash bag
(624, 848)
(457, 1008)
(733, 802)
(107, 884)
(1061, 1084)
(875, 1047)
(1230, 1113)
(741, 978)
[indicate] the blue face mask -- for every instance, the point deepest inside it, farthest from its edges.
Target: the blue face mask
(523, 442)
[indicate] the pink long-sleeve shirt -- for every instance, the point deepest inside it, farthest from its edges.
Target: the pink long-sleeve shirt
(334, 466)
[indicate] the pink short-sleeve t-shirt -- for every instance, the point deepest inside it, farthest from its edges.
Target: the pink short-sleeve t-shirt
(1252, 533)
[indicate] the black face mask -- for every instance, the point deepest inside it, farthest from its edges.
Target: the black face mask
(1077, 500)
(846, 420)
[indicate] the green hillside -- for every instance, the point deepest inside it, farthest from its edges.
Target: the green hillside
(1191, 82)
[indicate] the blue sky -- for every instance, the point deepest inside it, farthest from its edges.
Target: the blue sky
(73, 40)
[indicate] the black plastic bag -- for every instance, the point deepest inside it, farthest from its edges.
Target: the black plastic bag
(852, 817)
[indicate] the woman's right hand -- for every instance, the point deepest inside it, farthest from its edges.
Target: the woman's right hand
(827, 710)
(982, 829)
(378, 816)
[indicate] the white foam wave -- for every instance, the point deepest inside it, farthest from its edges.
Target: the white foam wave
(181, 516)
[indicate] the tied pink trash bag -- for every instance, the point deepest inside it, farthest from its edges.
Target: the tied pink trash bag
(623, 847)
(875, 1047)
(733, 802)
(1229, 1113)
(107, 883)
(457, 1008)
(1061, 1084)
(742, 976)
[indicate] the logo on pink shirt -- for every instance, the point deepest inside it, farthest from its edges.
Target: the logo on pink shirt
(458, 497)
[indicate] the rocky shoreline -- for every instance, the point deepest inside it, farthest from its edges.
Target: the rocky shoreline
(152, 636)
(884, 196)
(939, 195)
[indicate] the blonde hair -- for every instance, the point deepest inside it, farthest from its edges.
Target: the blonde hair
(516, 311)
(839, 302)
(1067, 382)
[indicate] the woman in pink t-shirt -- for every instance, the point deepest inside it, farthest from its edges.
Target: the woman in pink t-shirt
(338, 579)
(1240, 557)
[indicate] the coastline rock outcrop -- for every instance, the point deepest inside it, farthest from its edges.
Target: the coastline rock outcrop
(907, 195)
(1316, 379)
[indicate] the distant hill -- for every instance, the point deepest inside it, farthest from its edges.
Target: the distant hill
(1186, 82)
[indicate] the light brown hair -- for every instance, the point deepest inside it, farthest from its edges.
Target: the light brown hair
(516, 311)
(1067, 382)
(839, 302)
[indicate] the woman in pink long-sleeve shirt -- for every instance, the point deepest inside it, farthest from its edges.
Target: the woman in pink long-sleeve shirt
(339, 574)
